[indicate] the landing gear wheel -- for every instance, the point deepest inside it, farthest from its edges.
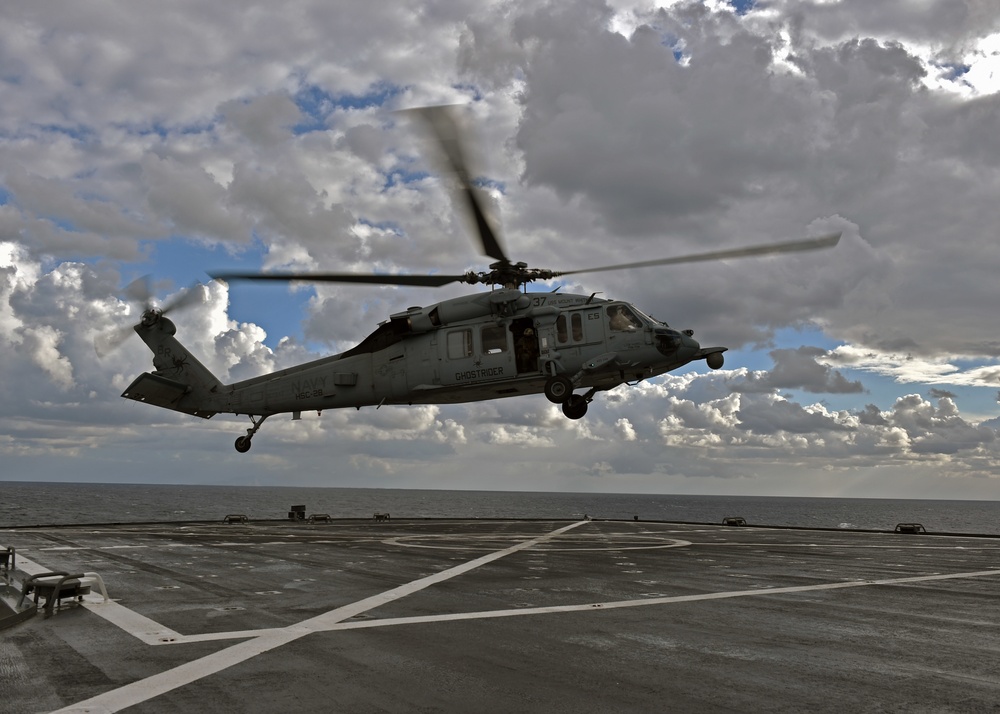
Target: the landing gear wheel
(243, 442)
(558, 389)
(575, 407)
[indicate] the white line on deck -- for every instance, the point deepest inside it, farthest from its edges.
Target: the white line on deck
(597, 606)
(147, 630)
(261, 641)
(145, 689)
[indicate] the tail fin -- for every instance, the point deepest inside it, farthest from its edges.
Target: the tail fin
(180, 381)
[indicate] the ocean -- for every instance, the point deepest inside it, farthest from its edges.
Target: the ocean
(30, 504)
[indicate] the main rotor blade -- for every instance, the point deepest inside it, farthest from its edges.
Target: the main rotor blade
(430, 281)
(140, 294)
(446, 130)
(109, 341)
(790, 247)
(188, 296)
(139, 291)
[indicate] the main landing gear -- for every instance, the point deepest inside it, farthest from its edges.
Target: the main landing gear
(243, 443)
(575, 407)
(559, 390)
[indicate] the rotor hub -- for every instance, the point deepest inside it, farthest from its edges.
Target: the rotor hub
(151, 316)
(510, 276)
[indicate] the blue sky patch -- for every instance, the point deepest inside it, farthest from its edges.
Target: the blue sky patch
(277, 308)
(399, 176)
(378, 95)
(954, 71)
(472, 90)
(76, 133)
(388, 226)
(483, 183)
(164, 131)
(317, 104)
(742, 7)
(951, 72)
(673, 43)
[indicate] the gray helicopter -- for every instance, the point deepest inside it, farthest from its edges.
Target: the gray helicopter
(506, 342)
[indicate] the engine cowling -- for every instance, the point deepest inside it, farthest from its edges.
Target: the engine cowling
(470, 307)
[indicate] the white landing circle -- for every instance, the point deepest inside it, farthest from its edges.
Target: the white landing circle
(571, 541)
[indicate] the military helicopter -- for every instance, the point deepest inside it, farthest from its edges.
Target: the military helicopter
(505, 342)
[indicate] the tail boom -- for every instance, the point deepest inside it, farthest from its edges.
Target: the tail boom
(180, 382)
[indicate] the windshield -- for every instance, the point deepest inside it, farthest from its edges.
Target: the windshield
(622, 318)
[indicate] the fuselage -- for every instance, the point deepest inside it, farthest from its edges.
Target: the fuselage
(486, 346)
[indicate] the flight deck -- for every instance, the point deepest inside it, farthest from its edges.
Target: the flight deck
(396, 615)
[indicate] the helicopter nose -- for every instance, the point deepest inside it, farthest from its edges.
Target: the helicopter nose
(672, 343)
(690, 343)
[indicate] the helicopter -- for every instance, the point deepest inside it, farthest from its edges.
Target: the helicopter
(504, 342)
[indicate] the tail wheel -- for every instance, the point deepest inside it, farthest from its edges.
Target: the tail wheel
(575, 407)
(558, 389)
(243, 444)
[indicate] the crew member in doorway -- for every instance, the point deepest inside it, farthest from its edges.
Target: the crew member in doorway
(526, 351)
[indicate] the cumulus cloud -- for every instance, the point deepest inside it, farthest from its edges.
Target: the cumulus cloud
(625, 429)
(799, 369)
(607, 133)
(907, 368)
(518, 436)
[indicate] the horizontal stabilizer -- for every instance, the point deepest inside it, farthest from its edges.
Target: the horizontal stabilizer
(163, 392)
(706, 351)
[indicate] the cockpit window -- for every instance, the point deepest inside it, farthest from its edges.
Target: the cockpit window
(622, 319)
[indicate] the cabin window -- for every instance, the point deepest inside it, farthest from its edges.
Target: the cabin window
(460, 344)
(494, 339)
(573, 332)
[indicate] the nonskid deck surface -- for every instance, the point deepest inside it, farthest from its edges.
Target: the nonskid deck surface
(572, 616)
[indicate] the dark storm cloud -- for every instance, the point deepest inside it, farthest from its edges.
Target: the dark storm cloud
(799, 369)
(605, 135)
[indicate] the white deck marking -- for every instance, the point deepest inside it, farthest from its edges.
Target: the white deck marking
(30, 567)
(860, 546)
(319, 626)
(147, 630)
(486, 542)
(146, 689)
(596, 606)
(262, 641)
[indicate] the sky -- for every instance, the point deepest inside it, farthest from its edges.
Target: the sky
(174, 139)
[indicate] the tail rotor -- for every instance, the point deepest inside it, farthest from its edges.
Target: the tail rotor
(139, 295)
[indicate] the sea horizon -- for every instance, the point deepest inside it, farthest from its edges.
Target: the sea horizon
(33, 503)
(497, 490)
